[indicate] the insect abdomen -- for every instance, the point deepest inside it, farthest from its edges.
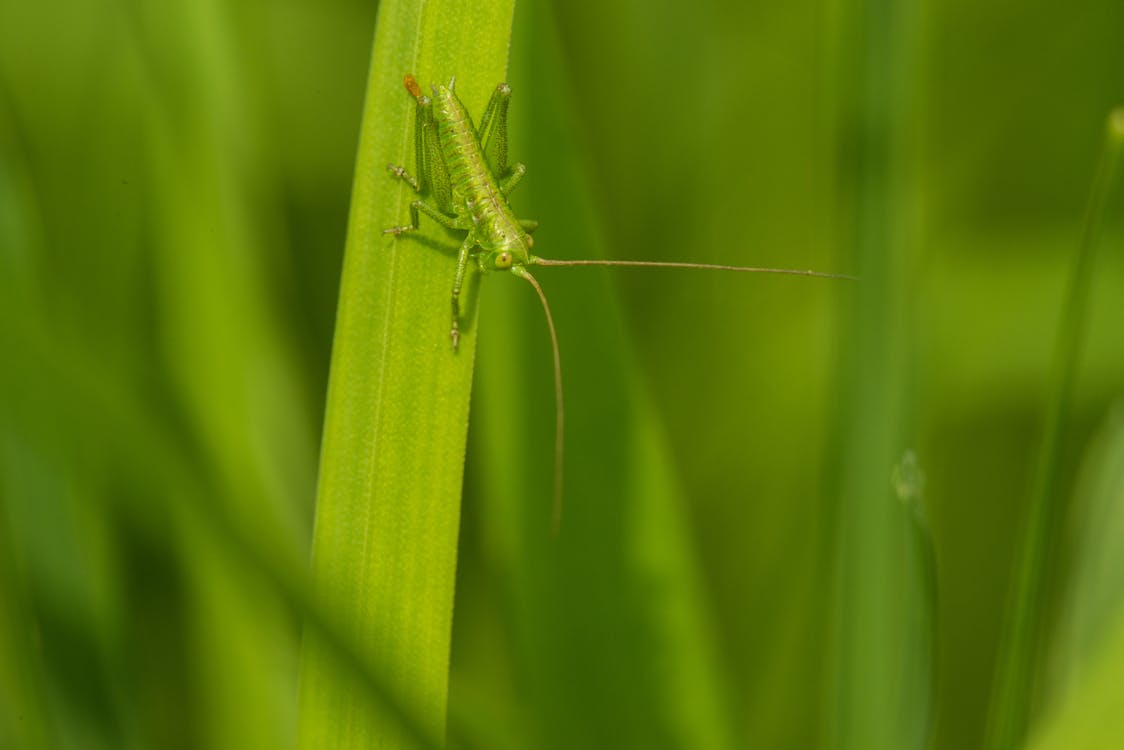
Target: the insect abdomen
(473, 184)
(459, 149)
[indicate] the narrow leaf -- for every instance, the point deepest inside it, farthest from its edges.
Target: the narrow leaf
(385, 542)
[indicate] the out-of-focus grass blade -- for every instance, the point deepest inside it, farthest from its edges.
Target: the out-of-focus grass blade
(1019, 668)
(1090, 717)
(26, 719)
(385, 542)
(227, 359)
(1089, 655)
(881, 689)
(1096, 591)
(151, 460)
(40, 562)
(608, 620)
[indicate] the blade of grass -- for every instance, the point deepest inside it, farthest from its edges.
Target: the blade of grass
(26, 721)
(41, 392)
(1018, 667)
(1085, 710)
(1086, 705)
(388, 504)
(609, 624)
(1090, 718)
(1095, 595)
(225, 351)
(880, 692)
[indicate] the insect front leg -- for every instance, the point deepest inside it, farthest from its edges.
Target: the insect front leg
(463, 255)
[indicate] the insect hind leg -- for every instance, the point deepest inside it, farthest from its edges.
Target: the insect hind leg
(512, 178)
(492, 133)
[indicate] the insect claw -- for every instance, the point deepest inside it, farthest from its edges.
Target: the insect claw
(455, 334)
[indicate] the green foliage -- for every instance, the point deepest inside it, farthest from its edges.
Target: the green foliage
(388, 505)
(746, 557)
(1017, 679)
(1084, 709)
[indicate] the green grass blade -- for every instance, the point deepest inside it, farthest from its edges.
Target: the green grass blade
(1019, 661)
(384, 547)
(1090, 719)
(880, 694)
(229, 362)
(1091, 626)
(1096, 595)
(1085, 711)
(611, 634)
(41, 386)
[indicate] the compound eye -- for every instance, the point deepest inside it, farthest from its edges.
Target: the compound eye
(503, 260)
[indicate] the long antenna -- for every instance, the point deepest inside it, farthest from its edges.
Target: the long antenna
(695, 266)
(559, 411)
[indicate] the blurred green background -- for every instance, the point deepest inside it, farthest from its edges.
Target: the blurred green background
(174, 186)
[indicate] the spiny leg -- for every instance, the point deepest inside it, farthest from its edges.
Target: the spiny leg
(432, 179)
(402, 174)
(512, 178)
(463, 255)
(492, 133)
(501, 92)
(420, 206)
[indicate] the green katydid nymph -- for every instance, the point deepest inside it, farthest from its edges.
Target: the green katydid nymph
(463, 179)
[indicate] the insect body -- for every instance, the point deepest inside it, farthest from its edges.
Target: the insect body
(464, 171)
(463, 180)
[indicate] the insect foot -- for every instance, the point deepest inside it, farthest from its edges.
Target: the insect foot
(402, 174)
(455, 331)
